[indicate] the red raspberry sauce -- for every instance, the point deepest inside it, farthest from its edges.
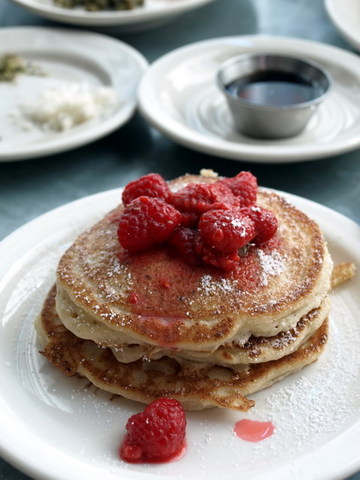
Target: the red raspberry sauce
(253, 431)
(179, 454)
(133, 298)
(173, 458)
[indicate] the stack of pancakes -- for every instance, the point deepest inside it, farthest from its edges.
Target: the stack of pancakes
(150, 325)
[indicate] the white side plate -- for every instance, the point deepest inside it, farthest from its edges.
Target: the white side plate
(65, 56)
(345, 15)
(178, 95)
(151, 14)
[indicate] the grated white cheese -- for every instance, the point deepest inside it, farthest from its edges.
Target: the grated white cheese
(66, 105)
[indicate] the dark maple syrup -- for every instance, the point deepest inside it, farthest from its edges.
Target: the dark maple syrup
(274, 88)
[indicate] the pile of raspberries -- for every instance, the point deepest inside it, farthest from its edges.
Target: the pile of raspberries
(205, 223)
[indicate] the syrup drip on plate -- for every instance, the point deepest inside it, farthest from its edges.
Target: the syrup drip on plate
(253, 431)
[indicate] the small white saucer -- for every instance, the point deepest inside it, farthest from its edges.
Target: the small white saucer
(65, 56)
(151, 14)
(345, 15)
(179, 96)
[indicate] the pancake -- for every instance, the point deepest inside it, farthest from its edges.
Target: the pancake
(197, 385)
(254, 350)
(182, 308)
(147, 325)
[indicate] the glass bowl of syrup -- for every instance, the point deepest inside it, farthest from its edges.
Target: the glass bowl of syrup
(272, 96)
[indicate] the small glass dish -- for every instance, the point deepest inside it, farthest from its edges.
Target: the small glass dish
(272, 96)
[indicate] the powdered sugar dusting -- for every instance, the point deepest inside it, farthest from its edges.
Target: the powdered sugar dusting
(319, 401)
(210, 286)
(239, 224)
(272, 264)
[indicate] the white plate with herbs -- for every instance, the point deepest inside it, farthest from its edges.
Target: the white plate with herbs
(61, 89)
(148, 14)
(57, 427)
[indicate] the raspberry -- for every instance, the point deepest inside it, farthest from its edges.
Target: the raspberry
(156, 434)
(201, 197)
(244, 186)
(226, 230)
(183, 240)
(146, 222)
(266, 223)
(210, 256)
(189, 219)
(151, 185)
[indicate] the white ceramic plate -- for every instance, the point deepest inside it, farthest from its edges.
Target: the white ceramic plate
(346, 17)
(65, 56)
(151, 14)
(52, 427)
(179, 96)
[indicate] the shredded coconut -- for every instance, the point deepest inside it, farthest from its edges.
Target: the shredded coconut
(69, 104)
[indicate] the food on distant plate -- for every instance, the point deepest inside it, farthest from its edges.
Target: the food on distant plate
(96, 5)
(65, 106)
(203, 289)
(12, 65)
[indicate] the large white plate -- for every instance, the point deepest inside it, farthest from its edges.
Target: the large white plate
(151, 14)
(346, 17)
(179, 96)
(65, 56)
(52, 427)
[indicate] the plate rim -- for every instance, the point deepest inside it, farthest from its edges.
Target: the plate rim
(186, 136)
(19, 461)
(104, 18)
(351, 37)
(86, 136)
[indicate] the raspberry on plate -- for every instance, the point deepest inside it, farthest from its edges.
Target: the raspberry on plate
(226, 230)
(151, 185)
(183, 240)
(244, 186)
(200, 197)
(210, 256)
(155, 435)
(266, 223)
(146, 222)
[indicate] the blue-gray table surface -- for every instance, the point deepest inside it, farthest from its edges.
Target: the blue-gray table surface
(32, 187)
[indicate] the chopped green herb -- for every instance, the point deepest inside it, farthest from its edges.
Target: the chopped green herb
(11, 66)
(95, 5)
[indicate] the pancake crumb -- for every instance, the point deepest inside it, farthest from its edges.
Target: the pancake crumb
(342, 273)
(209, 173)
